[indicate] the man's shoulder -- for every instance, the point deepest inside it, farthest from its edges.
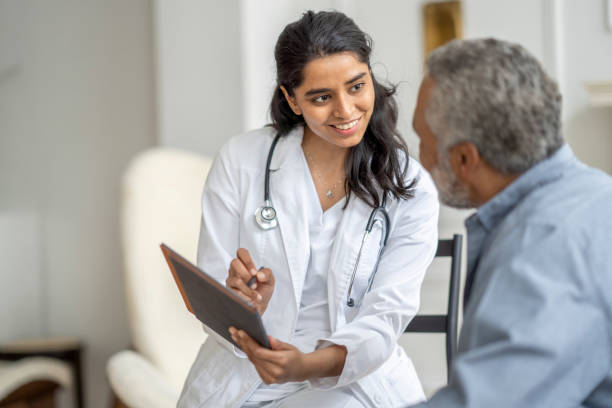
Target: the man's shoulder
(561, 227)
(571, 211)
(580, 197)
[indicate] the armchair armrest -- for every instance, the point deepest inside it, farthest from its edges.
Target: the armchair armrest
(16, 374)
(67, 350)
(138, 384)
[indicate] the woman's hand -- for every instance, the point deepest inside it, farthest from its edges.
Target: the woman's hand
(285, 363)
(282, 364)
(241, 270)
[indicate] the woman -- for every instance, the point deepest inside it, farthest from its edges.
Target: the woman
(332, 303)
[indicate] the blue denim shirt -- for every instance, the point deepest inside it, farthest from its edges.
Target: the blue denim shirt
(537, 328)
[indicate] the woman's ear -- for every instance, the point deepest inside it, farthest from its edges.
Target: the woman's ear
(291, 101)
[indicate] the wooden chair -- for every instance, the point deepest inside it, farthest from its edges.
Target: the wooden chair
(446, 323)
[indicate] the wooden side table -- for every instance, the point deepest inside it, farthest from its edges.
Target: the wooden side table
(68, 350)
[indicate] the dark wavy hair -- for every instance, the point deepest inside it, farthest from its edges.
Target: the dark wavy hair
(376, 163)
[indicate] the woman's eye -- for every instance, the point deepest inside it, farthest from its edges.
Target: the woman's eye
(357, 87)
(321, 98)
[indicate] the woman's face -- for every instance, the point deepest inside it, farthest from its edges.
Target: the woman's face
(336, 98)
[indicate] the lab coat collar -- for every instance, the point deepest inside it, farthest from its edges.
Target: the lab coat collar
(288, 150)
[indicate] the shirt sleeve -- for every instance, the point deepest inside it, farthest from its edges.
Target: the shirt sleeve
(219, 236)
(536, 335)
(371, 336)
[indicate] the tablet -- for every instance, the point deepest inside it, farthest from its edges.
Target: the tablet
(212, 303)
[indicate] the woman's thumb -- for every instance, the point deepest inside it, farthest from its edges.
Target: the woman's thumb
(277, 344)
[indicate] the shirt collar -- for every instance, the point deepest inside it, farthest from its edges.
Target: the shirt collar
(542, 173)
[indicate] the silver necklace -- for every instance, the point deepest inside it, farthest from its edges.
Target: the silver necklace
(330, 191)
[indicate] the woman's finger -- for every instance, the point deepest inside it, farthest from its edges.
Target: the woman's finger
(259, 352)
(238, 292)
(245, 257)
(238, 278)
(238, 268)
(264, 275)
(265, 376)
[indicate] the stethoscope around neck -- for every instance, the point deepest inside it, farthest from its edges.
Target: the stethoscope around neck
(266, 218)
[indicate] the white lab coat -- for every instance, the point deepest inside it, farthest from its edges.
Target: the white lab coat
(377, 370)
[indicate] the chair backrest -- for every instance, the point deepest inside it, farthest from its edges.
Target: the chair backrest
(446, 323)
(161, 202)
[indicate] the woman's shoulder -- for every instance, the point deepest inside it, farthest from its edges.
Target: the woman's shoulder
(424, 191)
(249, 148)
(416, 174)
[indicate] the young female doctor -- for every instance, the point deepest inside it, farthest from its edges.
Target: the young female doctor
(335, 222)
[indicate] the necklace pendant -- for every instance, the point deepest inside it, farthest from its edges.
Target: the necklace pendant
(329, 194)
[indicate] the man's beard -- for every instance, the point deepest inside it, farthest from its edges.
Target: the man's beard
(450, 191)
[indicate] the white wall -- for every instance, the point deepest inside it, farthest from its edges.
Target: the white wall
(198, 64)
(262, 22)
(23, 285)
(76, 102)
(587, 56)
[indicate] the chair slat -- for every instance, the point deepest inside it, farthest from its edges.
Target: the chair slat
(427, 324)
(445, 323)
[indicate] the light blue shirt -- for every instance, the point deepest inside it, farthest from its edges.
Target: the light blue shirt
(537, 328)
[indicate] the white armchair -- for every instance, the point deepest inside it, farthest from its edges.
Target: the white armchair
(32, 381)
(160, 202)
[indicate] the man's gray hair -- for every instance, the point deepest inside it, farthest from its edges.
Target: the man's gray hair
(495, 95)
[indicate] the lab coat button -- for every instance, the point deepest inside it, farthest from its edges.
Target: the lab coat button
(378, 399)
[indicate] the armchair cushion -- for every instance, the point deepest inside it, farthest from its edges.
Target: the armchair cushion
(160, 202)
(138, 383)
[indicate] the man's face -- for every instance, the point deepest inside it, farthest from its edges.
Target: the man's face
(451, 191)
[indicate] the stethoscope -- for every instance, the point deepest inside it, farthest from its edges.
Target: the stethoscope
(265, 216)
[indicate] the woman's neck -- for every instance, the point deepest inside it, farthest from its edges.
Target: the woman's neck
(330, 159)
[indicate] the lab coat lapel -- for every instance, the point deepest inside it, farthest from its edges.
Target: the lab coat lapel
(343, 256)
(288, 194)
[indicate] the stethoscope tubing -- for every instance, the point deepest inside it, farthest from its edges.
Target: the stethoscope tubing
(267, 222)
(267, 175)
(350, 302)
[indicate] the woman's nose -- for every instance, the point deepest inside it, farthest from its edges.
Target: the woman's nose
(343, 108)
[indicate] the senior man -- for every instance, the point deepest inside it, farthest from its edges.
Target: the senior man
(537, 327)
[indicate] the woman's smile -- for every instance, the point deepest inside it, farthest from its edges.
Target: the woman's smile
(346, 128)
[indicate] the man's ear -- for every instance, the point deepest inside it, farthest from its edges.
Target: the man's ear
(291, 101)
(465, 160)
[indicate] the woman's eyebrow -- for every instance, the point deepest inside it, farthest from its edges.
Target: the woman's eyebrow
(355, 78)
(323, 90)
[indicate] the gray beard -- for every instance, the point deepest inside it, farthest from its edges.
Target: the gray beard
(450, 191)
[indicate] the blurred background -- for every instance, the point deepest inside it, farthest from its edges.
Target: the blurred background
(86, 85)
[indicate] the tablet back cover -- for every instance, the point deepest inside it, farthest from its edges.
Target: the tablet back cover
(212, 303)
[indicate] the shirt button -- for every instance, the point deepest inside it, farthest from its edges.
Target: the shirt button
(378, 399)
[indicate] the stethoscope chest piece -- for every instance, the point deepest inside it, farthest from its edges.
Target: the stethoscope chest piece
(265, 216)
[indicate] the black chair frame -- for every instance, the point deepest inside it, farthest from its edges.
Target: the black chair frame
(445, 323)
